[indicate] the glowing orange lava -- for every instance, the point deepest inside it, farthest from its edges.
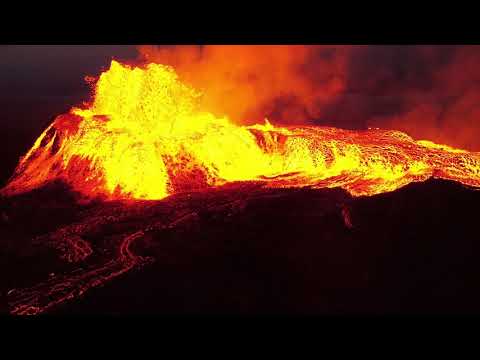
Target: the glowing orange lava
(144, 137)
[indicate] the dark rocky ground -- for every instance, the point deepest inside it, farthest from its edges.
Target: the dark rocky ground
(245, 249)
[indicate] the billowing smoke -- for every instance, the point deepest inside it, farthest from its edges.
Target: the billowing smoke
(438, 92)
(290, 84)
(431, 92)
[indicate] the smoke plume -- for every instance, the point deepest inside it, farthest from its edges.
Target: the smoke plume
(248, 83)
(430, 92)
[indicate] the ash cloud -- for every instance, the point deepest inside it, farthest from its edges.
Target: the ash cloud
(430, 92)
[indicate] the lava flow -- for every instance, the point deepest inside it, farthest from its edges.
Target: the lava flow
(144, 136)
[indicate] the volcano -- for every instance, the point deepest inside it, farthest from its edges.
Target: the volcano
(143, 201)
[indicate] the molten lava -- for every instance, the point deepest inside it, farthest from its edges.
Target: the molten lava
(144, 136)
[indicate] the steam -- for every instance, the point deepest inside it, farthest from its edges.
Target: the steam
(249, 83)
(434, 93)
(430, 92)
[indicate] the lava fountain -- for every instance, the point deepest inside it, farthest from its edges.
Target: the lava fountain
(144, 136)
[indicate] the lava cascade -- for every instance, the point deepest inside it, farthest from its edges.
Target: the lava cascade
(144, 136)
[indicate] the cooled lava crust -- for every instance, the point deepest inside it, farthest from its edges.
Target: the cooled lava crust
(243, 249)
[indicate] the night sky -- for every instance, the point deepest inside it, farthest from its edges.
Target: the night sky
(431, 92)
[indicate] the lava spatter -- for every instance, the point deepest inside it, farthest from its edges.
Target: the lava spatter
(144, 137)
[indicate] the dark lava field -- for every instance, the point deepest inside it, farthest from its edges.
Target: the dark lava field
(243, 249)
